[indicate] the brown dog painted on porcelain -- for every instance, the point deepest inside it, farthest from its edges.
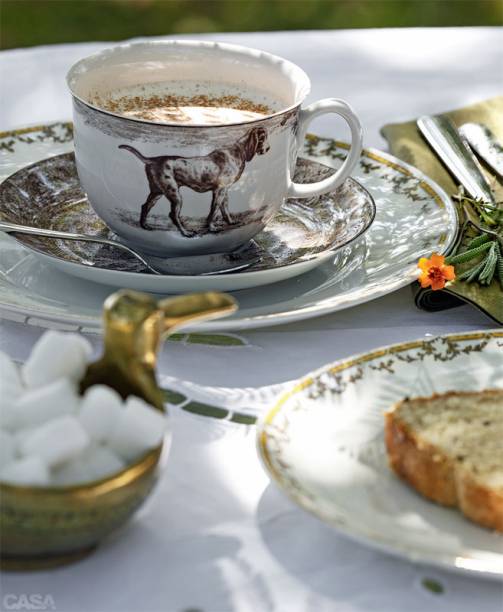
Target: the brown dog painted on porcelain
(215, 172)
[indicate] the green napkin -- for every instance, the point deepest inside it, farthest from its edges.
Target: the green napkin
(406, 142)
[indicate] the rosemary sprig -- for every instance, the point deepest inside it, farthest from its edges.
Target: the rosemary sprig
(468, 255)
(489, 214)
(484, 248)
(499, 266)
(486, 276)
(484, 271)
(478, 240)
(472, 273)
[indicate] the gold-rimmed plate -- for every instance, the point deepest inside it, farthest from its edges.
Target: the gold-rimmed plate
(323, 445)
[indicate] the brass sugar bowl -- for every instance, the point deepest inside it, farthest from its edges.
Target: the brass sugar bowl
(43, 527)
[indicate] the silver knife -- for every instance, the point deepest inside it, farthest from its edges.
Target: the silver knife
(456, 154)
(484, 143)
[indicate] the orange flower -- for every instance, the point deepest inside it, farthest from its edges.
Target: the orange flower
(434, 272)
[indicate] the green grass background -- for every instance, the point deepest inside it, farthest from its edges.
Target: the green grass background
(33, 22)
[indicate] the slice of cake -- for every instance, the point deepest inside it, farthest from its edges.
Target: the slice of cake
(450, 448)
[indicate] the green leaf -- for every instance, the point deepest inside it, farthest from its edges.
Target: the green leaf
(467, 255)
(433, 585)
(205, 410)
(500, 265)
(173, 397)
(177, 337)
(477, 241)
(491, 260)
(176, 399)
(215, 340)
(208, 339)
(471, 274)
(243, 419)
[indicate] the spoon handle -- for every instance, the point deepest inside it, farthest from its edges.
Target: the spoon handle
(15, 228)
(453, 150)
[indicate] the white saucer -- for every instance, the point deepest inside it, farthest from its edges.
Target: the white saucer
(414, 218)
(303, 234)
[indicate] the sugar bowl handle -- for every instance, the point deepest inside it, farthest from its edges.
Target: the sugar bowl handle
(135, 324)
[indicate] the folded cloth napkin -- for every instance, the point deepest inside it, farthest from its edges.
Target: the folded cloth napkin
(406, 142)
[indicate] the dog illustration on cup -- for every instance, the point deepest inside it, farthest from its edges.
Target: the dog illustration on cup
(215, 172)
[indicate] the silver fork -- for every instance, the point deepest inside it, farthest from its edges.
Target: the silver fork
(192, 265)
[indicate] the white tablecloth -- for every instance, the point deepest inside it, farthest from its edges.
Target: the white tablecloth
(216, 536)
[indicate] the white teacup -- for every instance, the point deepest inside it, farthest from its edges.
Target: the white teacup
(187, 188)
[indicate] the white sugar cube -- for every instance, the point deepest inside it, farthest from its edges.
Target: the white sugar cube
(10, 389)
(25, 472)
(9, 371)
(40, 405)
(7, 448)
(57, 355)
(93, 464)
(20, 436)
(140, 427)
(102, 462)
(100, 411)
(71, 473)
(57, 441)
(9, 394)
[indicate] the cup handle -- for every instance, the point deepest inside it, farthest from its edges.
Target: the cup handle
(339, 107)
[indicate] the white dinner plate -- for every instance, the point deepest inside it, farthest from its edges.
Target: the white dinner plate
(414, 218)
(323, 444)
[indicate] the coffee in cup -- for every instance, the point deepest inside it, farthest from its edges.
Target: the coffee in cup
(189, 103)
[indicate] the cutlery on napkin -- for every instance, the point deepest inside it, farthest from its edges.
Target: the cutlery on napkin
(406, 141)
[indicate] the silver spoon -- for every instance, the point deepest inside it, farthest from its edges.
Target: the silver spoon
(192, 265)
